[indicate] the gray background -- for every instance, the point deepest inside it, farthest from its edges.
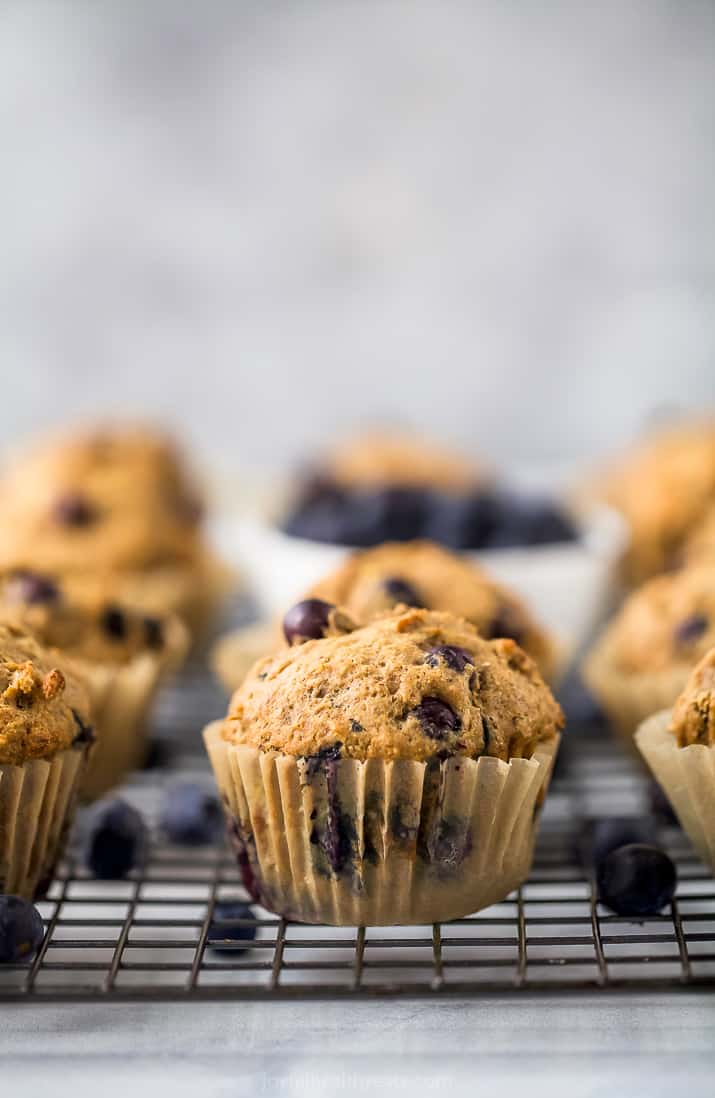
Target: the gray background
(266, 220)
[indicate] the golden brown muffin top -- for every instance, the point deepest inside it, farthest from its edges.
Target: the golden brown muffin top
(662, 488)
(693, 719)
(420, 573)
(383, 458)
(413, 684)
(670, 620)
(80, 620)
(117, 497)
(44, 708)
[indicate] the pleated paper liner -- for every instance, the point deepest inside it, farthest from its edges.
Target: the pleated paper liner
(628, 698)
(37, 802)
(379, 843)
(687, 777)
(234, 655)
(121, 697)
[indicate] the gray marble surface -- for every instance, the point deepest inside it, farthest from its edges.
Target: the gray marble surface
(264, 221)
(629, 1046)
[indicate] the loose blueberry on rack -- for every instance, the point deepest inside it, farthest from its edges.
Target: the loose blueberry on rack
(190, 816)
(636, 880)
(452, 655)
(307, 620)
(399, 590)
(21, 929)
(598, 837)
(230, 930)
(115, 839)
(436, 717)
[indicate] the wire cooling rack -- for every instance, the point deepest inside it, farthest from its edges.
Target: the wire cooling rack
(150, 936)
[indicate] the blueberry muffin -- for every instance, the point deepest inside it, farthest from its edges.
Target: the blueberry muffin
(417, 573)
(116, 501)
(121, 654)
(679, 747)
(663, 488)
(700, 545)
(386, 773)
(642, 661)
(45, 740)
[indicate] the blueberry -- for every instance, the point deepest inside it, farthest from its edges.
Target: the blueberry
(506, 623)
(115, 839)
(74, 510)
(636, 880)
(190, 815)
(229, 931)
(153, 633)
(436, 718)
(399, 590)
(455, 657)
(85, 733)
(522, 521)
(21, 929)
(690, 629)
(404, 511)
(31, 587)
(461, 522)
(114, 623)
(307, 620)
(599, 837)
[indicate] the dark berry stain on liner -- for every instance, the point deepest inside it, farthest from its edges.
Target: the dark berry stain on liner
(402, 830)
(74, 510)
(399, 590)
(114, 623)
(455, 657)
(691, 628)
(314, 763)
(307, 620)
(436, 718)
(85, 733)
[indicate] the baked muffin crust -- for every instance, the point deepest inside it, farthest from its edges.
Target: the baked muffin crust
(670, 620)
(693, 719)
(412, 684)
(44, 707)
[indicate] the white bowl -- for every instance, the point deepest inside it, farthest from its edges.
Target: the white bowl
(567, 585)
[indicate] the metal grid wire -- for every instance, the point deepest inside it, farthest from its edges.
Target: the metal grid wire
(149, 937)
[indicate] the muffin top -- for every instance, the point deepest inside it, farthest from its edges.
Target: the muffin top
(420, 573)
(385, 459)
(43, 706)
(412, 684)
(700, 545)
(693, 719)
(662, 488)
(118, 497)
(80, 619)
(670, 620)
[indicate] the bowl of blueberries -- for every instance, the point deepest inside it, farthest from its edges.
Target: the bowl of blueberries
(559, 561)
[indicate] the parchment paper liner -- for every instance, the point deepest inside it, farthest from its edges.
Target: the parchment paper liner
(37, 803)
(121, 696)
(687, 777)
(379, 843)
(629, 697)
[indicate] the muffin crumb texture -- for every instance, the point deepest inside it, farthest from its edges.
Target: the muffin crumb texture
(43, 709)
(413, 684)
(693, 720)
